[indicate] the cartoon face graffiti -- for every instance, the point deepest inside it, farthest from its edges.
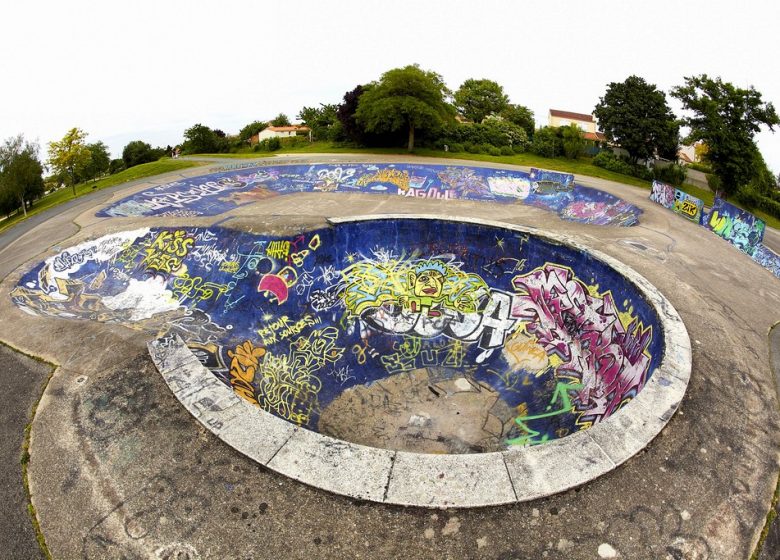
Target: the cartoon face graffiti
(427, 280)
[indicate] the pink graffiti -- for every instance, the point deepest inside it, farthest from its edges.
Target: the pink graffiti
(585, 332)
(271, 283)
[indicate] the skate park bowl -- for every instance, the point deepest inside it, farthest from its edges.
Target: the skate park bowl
(402, 359)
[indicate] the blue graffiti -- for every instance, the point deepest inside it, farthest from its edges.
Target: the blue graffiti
(219, 192)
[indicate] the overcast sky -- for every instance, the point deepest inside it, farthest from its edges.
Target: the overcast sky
(144, 70)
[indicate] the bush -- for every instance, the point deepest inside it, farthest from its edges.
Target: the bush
(609, 161)
(493, 151)
(672, 174)
(703, 167)
(494, 131)
(573, 141)
(751, 199)
(471, 148)
(546, 143)
(455, 147)
(507, 151)
(116, 166)
(518, 149)
(484, 148)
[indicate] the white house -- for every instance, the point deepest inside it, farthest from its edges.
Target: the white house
(586, 123)
(278, 132)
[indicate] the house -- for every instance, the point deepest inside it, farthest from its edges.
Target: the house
(691, 153)
(587, 123)
(279, 132)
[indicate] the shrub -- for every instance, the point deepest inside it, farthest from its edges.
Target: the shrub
(471, 148)
(116, 166)
(518, 149)
(455, 147)
(493, 151)
(484, 148)
(672, 174)
(507, 151)
(573, 141)
(703, 167)
(609, 161)
(546, 143)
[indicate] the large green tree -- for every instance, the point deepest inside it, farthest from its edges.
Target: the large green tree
(280, 120)
(137, 152)
(477, 99)
(727, 118)
(521, 116)
(319, 119)
(250, 130)
(636, 116)
(200, 139)
(21, 174)
(70, 155)
(99, 161)
(405, 98)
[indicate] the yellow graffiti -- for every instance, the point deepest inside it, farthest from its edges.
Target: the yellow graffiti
(388, 175)
(166, 252)
(283, 328)
(285, 385)
(231, 267)
(243, 367)
(197, 289)
(278, 249)
(422, 286)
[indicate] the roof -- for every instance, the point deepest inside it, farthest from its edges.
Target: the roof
(596, 136)
(570, 115)
(287, 128)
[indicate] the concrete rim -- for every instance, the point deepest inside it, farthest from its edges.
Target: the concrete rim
(429, 480)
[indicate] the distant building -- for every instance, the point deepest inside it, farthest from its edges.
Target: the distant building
(692, 153)
(279, 132)
(587, 123)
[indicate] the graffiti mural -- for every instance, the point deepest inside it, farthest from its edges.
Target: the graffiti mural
(740, 228)
(679, 201)
(551, 340)
(219, 192)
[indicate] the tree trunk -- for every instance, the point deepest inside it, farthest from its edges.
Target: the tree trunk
(24, 206)
(73, 183)
(411, 139)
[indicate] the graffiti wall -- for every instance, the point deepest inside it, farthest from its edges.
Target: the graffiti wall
(679, 201)
(552, 339)
(219, 192)
(740, 228)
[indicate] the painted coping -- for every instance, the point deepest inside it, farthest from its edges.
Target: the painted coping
(428, 480)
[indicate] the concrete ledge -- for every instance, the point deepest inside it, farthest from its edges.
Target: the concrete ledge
(381, 475)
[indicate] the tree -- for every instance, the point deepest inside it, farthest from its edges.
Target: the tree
(70, 155)
(250, 130)
(320, 120)
(200, 139)
(477, 99)
(521, 116)
(726, 118)
(21, 174)
(280, 120)
(350, 127)
(136, 153)
(635, 115)
(98, 164)
(573, 141)
(405, 98)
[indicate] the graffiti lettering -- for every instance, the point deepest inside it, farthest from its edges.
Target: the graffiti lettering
(167, 251)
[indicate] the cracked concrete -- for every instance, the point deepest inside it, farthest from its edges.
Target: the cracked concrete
(120, 469)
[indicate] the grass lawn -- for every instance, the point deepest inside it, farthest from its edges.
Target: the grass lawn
(63, 195)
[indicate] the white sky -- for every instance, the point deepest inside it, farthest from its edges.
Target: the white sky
(147, 70)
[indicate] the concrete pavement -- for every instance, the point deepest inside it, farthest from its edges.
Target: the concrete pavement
(119, 469)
